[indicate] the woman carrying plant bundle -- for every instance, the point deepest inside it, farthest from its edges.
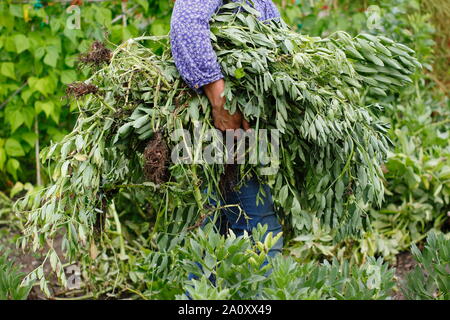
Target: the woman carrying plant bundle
(197, 64)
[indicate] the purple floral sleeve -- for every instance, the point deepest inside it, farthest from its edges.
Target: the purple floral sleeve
(192, 50)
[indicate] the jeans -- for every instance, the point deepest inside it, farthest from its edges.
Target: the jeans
(262, 213)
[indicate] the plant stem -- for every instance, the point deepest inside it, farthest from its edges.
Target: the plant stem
(119, 229)
(434, 124)
(196, 183)
(37, 152)
(124, 13)
(13, 95)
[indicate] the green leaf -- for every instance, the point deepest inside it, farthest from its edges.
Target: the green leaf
(53, 260)
(79, 143)
(7, 69)
(28, 114)
(339, 189)
(51, 58)
(103, 16)
(159, 28)
(39, 53)
(193, 110)
(296, 208)
(18, 187)
(68, 76)
(2, 159)
(144, 4)
(239, 73)
(46, 106)
(29, 137)
(14, 117)
(14, 148)
(289, 45)
(22, 43)
(284, 194)
(55, 25)
(26, 94)
(251, 23)
(15, 10)
(43, 85)
(12, 166)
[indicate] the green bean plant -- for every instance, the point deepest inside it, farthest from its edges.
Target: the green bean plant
(11, 287)
(430, 279)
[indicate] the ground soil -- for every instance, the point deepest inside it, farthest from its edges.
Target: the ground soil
(404, 264)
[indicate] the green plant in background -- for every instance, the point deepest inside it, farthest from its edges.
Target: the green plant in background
(10, 280)
(372, 280)
(9, 222)
(38, 55)
(440, 15)
(430, 280)
(417, 168)
(5, 208)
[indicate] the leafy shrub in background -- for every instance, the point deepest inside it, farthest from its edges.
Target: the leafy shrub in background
(417, 170)
(38, 55)
(10, 276)
(372, 280)
(5, 207)
(430, 280)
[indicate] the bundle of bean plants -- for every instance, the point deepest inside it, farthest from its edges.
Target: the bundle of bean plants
(331, 145)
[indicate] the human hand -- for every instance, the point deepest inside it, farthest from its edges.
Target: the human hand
(223, 120)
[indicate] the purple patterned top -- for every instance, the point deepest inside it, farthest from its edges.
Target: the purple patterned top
(192, 50)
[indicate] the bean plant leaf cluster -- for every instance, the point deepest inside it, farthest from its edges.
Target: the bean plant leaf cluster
(430, 279)
(331, 144)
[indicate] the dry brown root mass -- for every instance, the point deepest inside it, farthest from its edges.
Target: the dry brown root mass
(228, 179)
(79, 89)
(156, 156)
(97, 55)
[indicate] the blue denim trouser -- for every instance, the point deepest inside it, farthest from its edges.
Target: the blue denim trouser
(263, 213)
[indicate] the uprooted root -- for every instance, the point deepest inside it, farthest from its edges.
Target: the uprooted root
(156, 156)
(79, 89)
(228, 179)
(97, 55)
